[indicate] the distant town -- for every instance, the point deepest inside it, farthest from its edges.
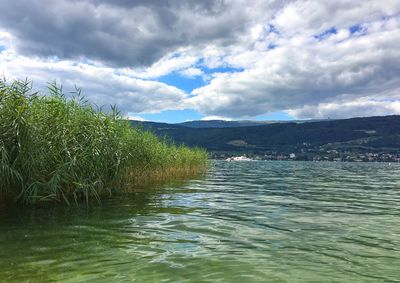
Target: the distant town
(330, 155)
(368, 139)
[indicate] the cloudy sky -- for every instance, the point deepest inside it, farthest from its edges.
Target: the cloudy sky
(172, 61)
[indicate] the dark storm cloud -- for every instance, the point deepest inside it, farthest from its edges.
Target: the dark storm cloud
(121, 33)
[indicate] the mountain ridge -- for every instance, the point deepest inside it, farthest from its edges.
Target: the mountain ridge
(355, 135)
(230, 124)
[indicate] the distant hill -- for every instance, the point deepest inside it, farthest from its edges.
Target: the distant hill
(355, 134)
(217, 123)
(235, 124)
(156, 126)
(224, 124)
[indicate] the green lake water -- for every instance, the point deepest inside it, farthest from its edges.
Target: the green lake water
(243, 222)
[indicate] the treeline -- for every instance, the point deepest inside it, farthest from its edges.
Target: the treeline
(369, 134)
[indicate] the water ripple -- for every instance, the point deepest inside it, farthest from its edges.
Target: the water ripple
(244, 222)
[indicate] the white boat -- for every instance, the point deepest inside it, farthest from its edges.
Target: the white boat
(239, 158)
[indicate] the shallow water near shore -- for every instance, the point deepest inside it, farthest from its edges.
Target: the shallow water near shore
(244, 222)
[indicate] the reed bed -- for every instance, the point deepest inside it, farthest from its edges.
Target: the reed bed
(59, 148)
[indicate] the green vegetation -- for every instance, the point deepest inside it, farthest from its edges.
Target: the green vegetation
(375, 135)
(58, 148)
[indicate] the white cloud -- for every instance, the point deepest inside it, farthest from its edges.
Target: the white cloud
(191, 72)
(135, 117)
(166, 65)
(312, 72)
(362, 107)
(101, 85)
(5, 38)
(313, 17)
(209, 118)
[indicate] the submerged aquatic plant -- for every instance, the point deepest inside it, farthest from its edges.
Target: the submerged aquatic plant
(58, 148)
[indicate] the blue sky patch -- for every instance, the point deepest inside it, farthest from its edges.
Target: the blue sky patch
(2, 48)
(273, 29)
(272, 46)
(359, 29)
(184, 83)
(326, 33)
(188, 84)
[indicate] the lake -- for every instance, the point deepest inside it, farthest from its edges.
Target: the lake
(255, 221)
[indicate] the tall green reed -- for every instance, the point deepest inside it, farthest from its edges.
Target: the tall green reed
(58, 148)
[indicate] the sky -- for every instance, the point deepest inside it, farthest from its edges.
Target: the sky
(175, 61)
